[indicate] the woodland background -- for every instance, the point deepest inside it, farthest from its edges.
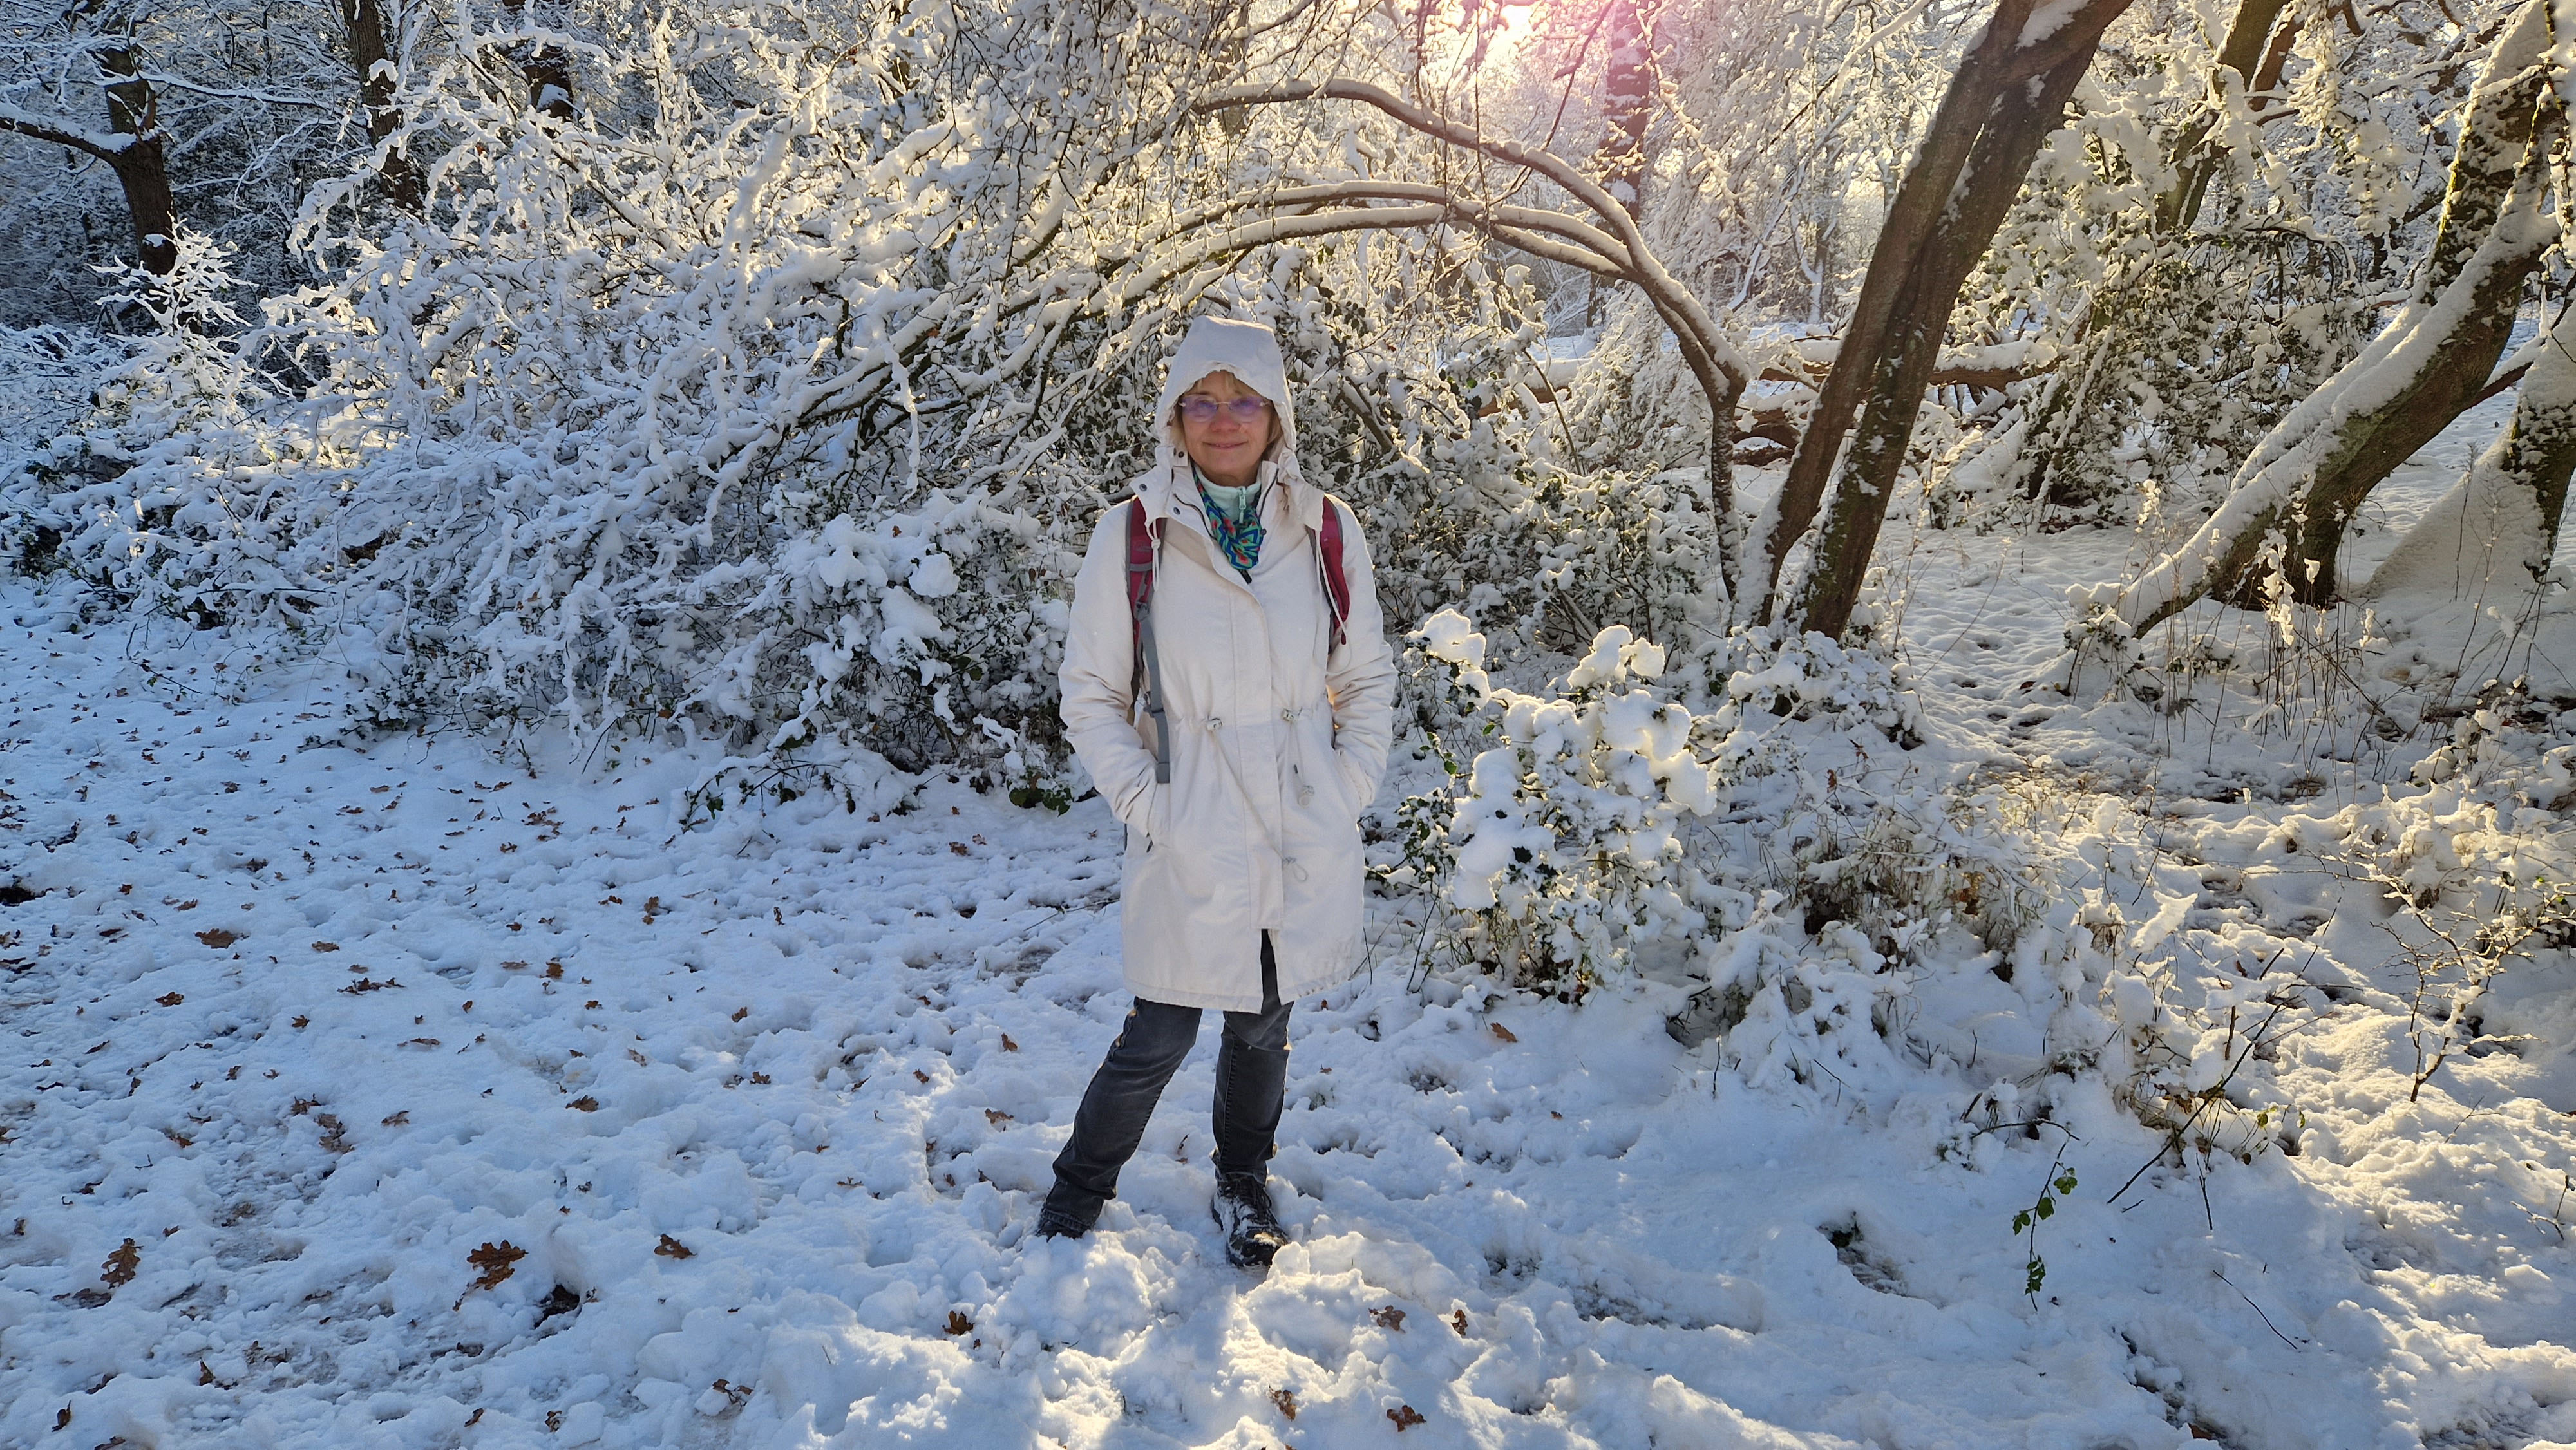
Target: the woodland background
(1992, 569)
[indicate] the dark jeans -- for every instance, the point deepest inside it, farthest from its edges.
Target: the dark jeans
(1251, 1078)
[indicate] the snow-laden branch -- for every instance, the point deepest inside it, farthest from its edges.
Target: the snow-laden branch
(2316, 464)
(2332, 422)
(105, 145)
(172, 81)
(1651, 275)
(1603, 254)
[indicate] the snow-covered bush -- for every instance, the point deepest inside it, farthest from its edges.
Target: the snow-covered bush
(1564, 839)
(2181, 369)
(770, 399)
(1767, 836)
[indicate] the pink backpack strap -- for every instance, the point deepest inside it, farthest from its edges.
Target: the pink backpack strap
(1146, 679)
(1142, 536)
(1337, 587)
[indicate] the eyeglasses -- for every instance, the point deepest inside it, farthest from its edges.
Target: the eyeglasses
(1246, 410)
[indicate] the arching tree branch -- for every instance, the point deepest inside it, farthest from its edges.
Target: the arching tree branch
(1615, 247)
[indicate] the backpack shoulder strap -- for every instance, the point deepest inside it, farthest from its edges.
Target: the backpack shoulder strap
(1145, 681)
(1328, 550)
(1142, 535)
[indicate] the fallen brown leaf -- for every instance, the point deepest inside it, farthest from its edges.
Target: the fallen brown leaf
(1389, 1317)
(217, 938)
(1405, 1418)
(671, 1248)
(497, 1261)
(1502, 1032)
(121, 1266)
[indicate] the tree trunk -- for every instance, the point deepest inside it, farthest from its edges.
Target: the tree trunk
(2021, 117)
(2308, 477)
(142, 167)
(1628, 104)
(371, 50)
(548, 71)
(2502, 518)
(2248, 68)
(2009, 93)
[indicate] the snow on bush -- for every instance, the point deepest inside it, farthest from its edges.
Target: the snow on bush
(1763, 835)
(769, 401)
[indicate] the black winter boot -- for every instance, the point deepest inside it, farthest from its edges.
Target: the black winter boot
(1242, 1209)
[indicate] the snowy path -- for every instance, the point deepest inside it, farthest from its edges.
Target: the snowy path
(751, 1119)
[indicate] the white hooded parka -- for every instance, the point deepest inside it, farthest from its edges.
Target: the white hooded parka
(1278, 738)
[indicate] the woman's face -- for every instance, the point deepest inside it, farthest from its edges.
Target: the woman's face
(1226, 448)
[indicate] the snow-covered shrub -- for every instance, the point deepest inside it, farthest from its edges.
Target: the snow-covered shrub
(47, 375)
(184, 392)
(2179, 369)
(1769, 837)
(1564, 839)
(770, 399)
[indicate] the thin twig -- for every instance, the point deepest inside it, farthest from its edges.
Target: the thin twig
(2258, 1312)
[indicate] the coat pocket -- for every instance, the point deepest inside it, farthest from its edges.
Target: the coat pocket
(1355, 788)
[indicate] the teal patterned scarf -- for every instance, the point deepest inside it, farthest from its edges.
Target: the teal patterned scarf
(1236, 530)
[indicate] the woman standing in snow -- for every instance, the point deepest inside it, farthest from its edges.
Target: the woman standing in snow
(1228, 684)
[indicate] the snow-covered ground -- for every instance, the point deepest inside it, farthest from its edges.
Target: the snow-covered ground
(430, 1092)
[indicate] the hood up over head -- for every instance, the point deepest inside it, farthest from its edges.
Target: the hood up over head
(1248, 350)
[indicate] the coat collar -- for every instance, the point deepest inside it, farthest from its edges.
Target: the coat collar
(1170, 493)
